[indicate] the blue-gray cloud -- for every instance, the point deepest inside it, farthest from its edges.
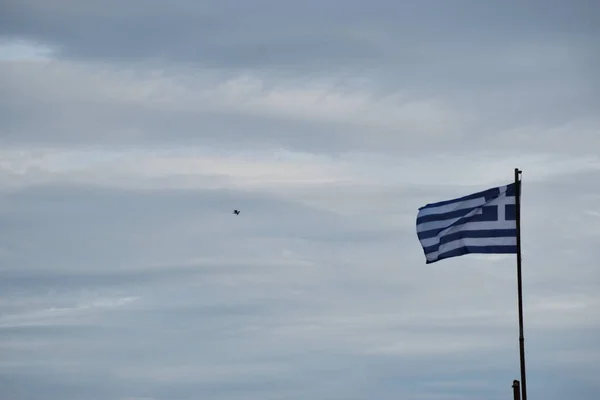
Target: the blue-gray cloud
(286, 35)
(204, 302)
(467, 69)
(131, 131)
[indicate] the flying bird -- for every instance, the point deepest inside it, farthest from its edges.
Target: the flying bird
(236, 212)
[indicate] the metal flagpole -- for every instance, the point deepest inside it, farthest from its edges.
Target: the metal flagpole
(520, 283)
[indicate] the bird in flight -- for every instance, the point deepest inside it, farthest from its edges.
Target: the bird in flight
(236, 212)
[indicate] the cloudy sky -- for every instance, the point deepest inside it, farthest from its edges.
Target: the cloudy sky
(131, 128)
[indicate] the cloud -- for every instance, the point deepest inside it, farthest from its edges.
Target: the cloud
(153, 106)
(23, 50)
(284, 288)
(58, 315)
(130, 132)
(227, 34)
(547, 88)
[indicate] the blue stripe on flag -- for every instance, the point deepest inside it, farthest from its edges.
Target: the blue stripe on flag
(461, 251)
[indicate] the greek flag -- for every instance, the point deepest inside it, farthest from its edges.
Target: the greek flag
(483, 222)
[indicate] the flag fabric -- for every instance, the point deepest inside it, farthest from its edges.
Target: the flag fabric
(482, 222)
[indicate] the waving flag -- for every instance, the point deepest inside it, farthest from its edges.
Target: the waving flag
(483, 222)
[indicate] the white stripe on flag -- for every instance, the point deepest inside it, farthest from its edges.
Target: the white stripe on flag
(493, 241)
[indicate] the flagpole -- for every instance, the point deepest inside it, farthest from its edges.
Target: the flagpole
(520, 283)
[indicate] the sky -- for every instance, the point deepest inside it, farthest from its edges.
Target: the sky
(131, 130)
